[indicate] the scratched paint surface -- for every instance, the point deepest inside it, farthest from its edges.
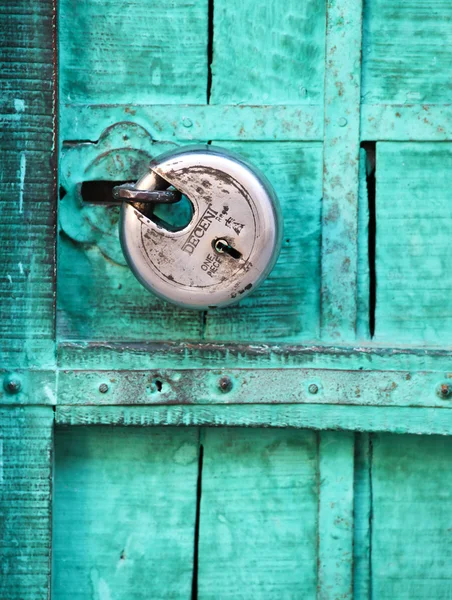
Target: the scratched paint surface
(328, 513)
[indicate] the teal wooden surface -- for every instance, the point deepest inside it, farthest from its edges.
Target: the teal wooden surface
(412, 517)
(362, 516)
(27, 185)
(124, 513)
(407, 54)
(114, 51)
(413, 249)
(26, 448)
(278, 60)
(258, 518)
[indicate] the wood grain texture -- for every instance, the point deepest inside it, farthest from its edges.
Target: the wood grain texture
(341, 170)
(98, 296)
(336, 462)
(124, 513)
(268, 52)
(27, 184)
(412, 522)
(258, 519)
(413, 250)
(113, 52)
(286, 307)
(25, 502)
(407, 55)
(363, 278)
(322, 417)
(362, 517)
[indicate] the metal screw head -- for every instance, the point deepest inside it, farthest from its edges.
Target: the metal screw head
(12, 384)
(313, 388)
(103, 388)
(444, 390)
(225, 384)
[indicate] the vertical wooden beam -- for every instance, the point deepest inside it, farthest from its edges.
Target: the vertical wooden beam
(25, 502)
(340, 169)
(27, 183)
(362, 517)
(335, 557)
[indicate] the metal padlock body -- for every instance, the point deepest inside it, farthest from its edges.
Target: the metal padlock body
(232, 201)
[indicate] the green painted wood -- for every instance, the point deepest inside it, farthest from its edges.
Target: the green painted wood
(340, 170)
(286, 307)
(98, 296)
(124, 513)
(321, 417)
(113, 51)
(336, 456)
(258, 517)
(413, 251)
(188, 123)
(27, 185)
(363, 276)
(411, 525)
(407, 53)
(29, 387)
(362, 517)
(25, 502)
(268, 52)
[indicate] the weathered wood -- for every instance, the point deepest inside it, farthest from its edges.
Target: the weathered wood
(187, 123)
(27, 184)
(362, 517)
(413, 250)
(407, 53)
(132, 52)
(255, 386)
(124, 513)
(152, 356)
(321, 417)
(340, 170)
(28, 387)
(335, 580)
(411, 525)
(25, 502)
(363, 277)
(286, 307)
(268, 52)
(258, 518)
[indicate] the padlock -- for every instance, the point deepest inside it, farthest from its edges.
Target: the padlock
(231, 242)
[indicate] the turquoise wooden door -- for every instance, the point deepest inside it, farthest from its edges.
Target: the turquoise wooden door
(126, 471)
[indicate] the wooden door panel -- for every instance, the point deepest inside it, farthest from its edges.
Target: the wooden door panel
(413, 251)
(139, 52)
(124, 512)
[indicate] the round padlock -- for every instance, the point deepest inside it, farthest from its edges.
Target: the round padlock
(231, 242)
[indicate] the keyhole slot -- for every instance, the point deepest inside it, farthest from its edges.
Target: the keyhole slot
(224, 247)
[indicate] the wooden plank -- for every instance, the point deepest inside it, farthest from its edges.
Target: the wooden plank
(124, 513)
(98, 296)
(407, 53)
(311, 416)
(133, 52)
(258, 519)
(340, 170)
(363, 279)
(362, 517)
(335, 580)
(413, 250)
(286, 307)
(153, 356)
(188, 123)
(406, 122)
(25, 502)
(411, 526)
(268, 52)
(27, 185)
(256, 386)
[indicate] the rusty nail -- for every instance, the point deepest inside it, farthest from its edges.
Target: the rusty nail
(103, 388)
(225, 384)
(313, 388)
(444, 390)
(12, 384)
